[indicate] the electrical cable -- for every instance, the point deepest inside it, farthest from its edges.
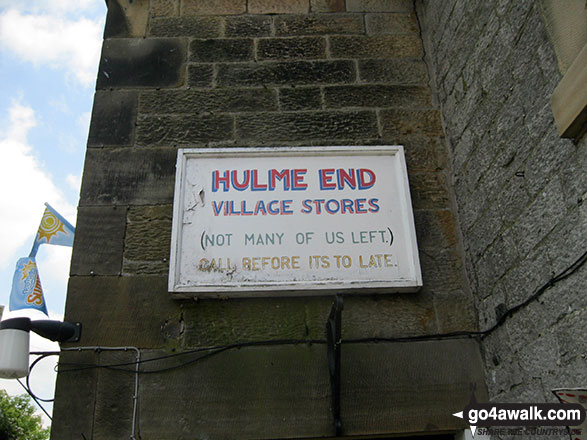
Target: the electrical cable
(214, 350)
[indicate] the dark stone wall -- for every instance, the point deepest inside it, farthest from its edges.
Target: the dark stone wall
(273, 73)
(520, 190)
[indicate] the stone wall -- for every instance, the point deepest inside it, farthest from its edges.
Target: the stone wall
(520, 190)
(230, 73)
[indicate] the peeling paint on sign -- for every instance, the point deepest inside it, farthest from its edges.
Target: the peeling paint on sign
(292, 221)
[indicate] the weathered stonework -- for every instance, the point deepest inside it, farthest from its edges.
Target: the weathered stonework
(262, 73)
(519, 188)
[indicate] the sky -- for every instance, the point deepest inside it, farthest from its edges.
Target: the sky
(49, 53)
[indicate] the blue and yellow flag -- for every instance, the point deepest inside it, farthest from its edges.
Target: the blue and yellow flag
(27, 292)
(54, 229)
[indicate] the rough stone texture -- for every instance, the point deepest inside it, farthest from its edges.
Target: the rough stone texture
(286, 73)
(141, 63)
(271, 127)
(291, 48)
(164, 8)
(75, 414)
(216, 100)
(195, 27)
(286, 388)
(379, 5)
(327, 6)
(144, 298)
(200, 75)
(147, 240)
(212, 74)
(128, 176)
(213, 7)
(247, 26)
(210, 51)
(113, 118)
(519, 189)
(393, 71)
(99, 241)
(290, 25)
(172, 130)
(377, 96)
(306, 98)
(391, 24)
(386, 46)
(405, 122)
(429, 364)
(278, 6)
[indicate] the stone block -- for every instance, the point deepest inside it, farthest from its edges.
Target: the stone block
(307, 126)
(278, 6)
(133, 310)
(291, 48)
(428, 190)
(99, 241)
(115, 390)
(406, 72)
(218, 50)
(164, 8)
(381, 96)
(246, 320)
(444, 386)
(406, 122)
(483, 231)
(75, 396)
(384, 46)
(435, 229)
(128, 176)
(147, 240)
(300, 98)
(213, 7)
(498, 258)
(523, 279)
(317, 6)
(379, 5)
(253, 392)
(294, 25)
(513, 200)
(200, 75)
(286, 73)
(203, 101)
(441, 270)
(423, 153)
(194, 27)
(113, 118)
(455, 311)
(247, 26)
(566, 243)
(388, 316)
(540, 217)
(383, 24)
(153, 62)
(171, 130)
(549, 158)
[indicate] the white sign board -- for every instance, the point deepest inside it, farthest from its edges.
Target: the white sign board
(292, 221)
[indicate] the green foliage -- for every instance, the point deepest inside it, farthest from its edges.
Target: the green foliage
(18, 420)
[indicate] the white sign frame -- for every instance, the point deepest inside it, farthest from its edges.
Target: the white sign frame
(211, 280)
